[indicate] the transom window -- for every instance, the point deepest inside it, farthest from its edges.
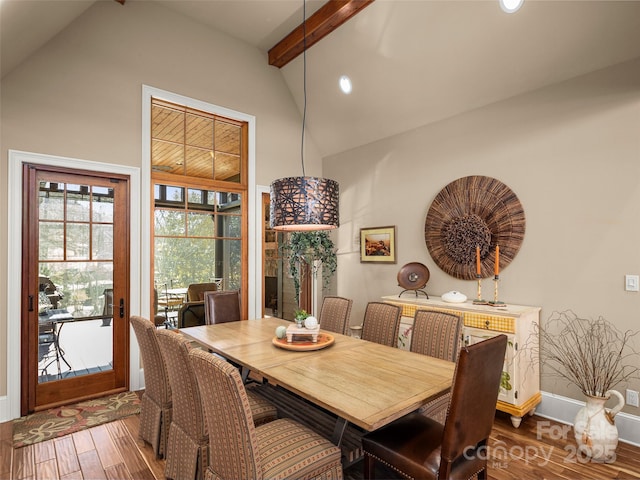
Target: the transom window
(199, 178)
(189, 142)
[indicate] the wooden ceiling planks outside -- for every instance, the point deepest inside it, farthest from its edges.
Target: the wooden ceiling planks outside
(188, 142)
(324, 21)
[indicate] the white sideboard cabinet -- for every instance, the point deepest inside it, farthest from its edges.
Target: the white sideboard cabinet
(520, 384)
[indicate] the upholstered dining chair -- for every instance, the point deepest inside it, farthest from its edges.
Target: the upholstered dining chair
(436, 334)
(280, 449)
(222, 306)
(156, 406)
(188, 443)
(335, 313)
(419, 447)
(381, 323)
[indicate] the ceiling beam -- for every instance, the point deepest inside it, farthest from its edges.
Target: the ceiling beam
(324, 21)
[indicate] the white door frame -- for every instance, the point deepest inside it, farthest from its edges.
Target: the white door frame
(14, 264)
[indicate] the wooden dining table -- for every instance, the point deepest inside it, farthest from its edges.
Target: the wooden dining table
(361, 382)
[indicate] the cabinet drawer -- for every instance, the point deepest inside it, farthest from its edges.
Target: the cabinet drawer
(471, 319)
(490, 322)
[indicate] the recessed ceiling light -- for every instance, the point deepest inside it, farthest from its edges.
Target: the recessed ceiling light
(345, 84)
(511, 6)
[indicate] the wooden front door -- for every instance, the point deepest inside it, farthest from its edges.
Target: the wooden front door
(75, 284)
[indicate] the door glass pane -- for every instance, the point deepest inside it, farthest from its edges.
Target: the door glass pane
(51, 241)
(78, 241)
(75, 300)
(102, 242)
(51, 201)
(102, 206)
(78, 203)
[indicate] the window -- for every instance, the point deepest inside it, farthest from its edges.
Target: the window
(200, 209)
(197, 236)
(188, 142)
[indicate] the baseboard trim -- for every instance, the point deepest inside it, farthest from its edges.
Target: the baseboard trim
(564, 410)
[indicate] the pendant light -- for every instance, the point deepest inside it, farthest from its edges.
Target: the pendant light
(304, 203)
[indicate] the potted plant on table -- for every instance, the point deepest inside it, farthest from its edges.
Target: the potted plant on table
(300, 316)
(596, 357)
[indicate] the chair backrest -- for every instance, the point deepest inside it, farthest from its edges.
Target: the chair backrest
(335, 313)
(156, 378)
(191, 314)
(234, 454)
(381, 323)
(223, 306)
(187, 406)
(476, 384)
(195, 291)
(436, 334)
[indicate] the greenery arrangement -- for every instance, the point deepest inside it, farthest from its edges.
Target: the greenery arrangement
(592, 354)
(300, 316)
(315, 248)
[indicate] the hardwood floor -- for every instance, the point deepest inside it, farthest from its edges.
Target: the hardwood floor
(538, 449)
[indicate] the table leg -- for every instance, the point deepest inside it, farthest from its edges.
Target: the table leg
(245, 374)
(338, 431)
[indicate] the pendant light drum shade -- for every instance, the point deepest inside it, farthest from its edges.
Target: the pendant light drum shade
(304, 203)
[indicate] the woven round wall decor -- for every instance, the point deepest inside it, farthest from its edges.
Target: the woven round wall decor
(469, 212)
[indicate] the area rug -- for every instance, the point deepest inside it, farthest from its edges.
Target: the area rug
(60, 421)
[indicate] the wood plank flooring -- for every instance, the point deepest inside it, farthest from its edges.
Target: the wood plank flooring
(539, 449)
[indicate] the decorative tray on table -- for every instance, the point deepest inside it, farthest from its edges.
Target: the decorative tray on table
(303, 339)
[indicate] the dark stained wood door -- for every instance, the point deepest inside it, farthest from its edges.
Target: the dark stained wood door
(75, 286)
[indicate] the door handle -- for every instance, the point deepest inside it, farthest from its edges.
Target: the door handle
(122, 308)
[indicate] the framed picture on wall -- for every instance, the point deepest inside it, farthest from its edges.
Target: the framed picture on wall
(378, 245)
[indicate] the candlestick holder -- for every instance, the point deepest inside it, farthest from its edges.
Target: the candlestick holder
(479, 300)
(495, 302)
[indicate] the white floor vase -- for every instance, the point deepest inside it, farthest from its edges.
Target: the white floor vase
(595, 429)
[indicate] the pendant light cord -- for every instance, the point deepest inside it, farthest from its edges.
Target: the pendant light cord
(304, 79)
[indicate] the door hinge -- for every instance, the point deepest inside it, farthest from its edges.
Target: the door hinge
(31, 303)
(122, 308)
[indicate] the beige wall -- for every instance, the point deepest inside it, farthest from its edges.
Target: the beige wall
(80, 97)
(570, 152)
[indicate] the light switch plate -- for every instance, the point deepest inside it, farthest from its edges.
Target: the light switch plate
(632, 283)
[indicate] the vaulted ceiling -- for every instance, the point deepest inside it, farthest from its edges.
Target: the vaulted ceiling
(412, 62)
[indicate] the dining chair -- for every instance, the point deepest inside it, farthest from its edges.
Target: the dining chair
(436, 334)
(196, 291)
(335, 313)
(156, 406)
(222, 306)
(280, 449)
(192, 313)
(381, 323)
(419, 447)
(188, 443)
